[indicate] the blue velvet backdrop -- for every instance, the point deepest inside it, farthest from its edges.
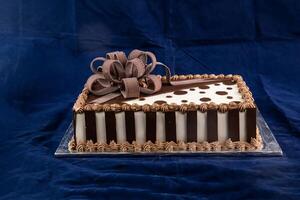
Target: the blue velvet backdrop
(45, 50)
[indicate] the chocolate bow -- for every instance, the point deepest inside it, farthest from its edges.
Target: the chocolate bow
(130, 76)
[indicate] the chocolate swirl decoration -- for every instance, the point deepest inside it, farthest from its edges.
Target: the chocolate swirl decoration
(129, 76)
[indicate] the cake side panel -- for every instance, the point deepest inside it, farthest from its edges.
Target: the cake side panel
(248, 118)
(191, 126)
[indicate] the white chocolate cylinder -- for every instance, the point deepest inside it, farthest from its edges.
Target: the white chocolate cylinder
(243, 131)
(180, 126)
(100, 127)
(120, 127)
(80, 128)
(140, 127)
(160, 127)
(201, 126)
(222, 127)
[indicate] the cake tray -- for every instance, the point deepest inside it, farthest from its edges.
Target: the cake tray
(270, 147)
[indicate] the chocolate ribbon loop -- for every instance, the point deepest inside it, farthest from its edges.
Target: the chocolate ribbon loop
(130, 87)
(135, 68)
(129, 77)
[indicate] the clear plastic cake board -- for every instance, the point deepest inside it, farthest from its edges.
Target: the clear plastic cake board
(270, 147)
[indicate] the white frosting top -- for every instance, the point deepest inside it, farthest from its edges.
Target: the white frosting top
(217, 93)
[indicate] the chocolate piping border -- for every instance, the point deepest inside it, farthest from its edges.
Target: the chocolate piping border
(81, 102)
(89, 146)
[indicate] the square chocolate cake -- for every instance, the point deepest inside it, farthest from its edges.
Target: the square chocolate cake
(124, 108)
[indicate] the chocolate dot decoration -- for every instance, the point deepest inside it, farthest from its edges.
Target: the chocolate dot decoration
(192, 89)
(202, 92)
(237, 102)
(229, 97)
(160, 102)
(229, 88)
(221, 92)
(169, 96)
(217, 84)
(180, 92)
(184, 101)
(204, 87)
(142, 99)
(205, 99)
(229, 82)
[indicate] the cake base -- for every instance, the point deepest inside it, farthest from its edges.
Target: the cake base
(270, 147)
